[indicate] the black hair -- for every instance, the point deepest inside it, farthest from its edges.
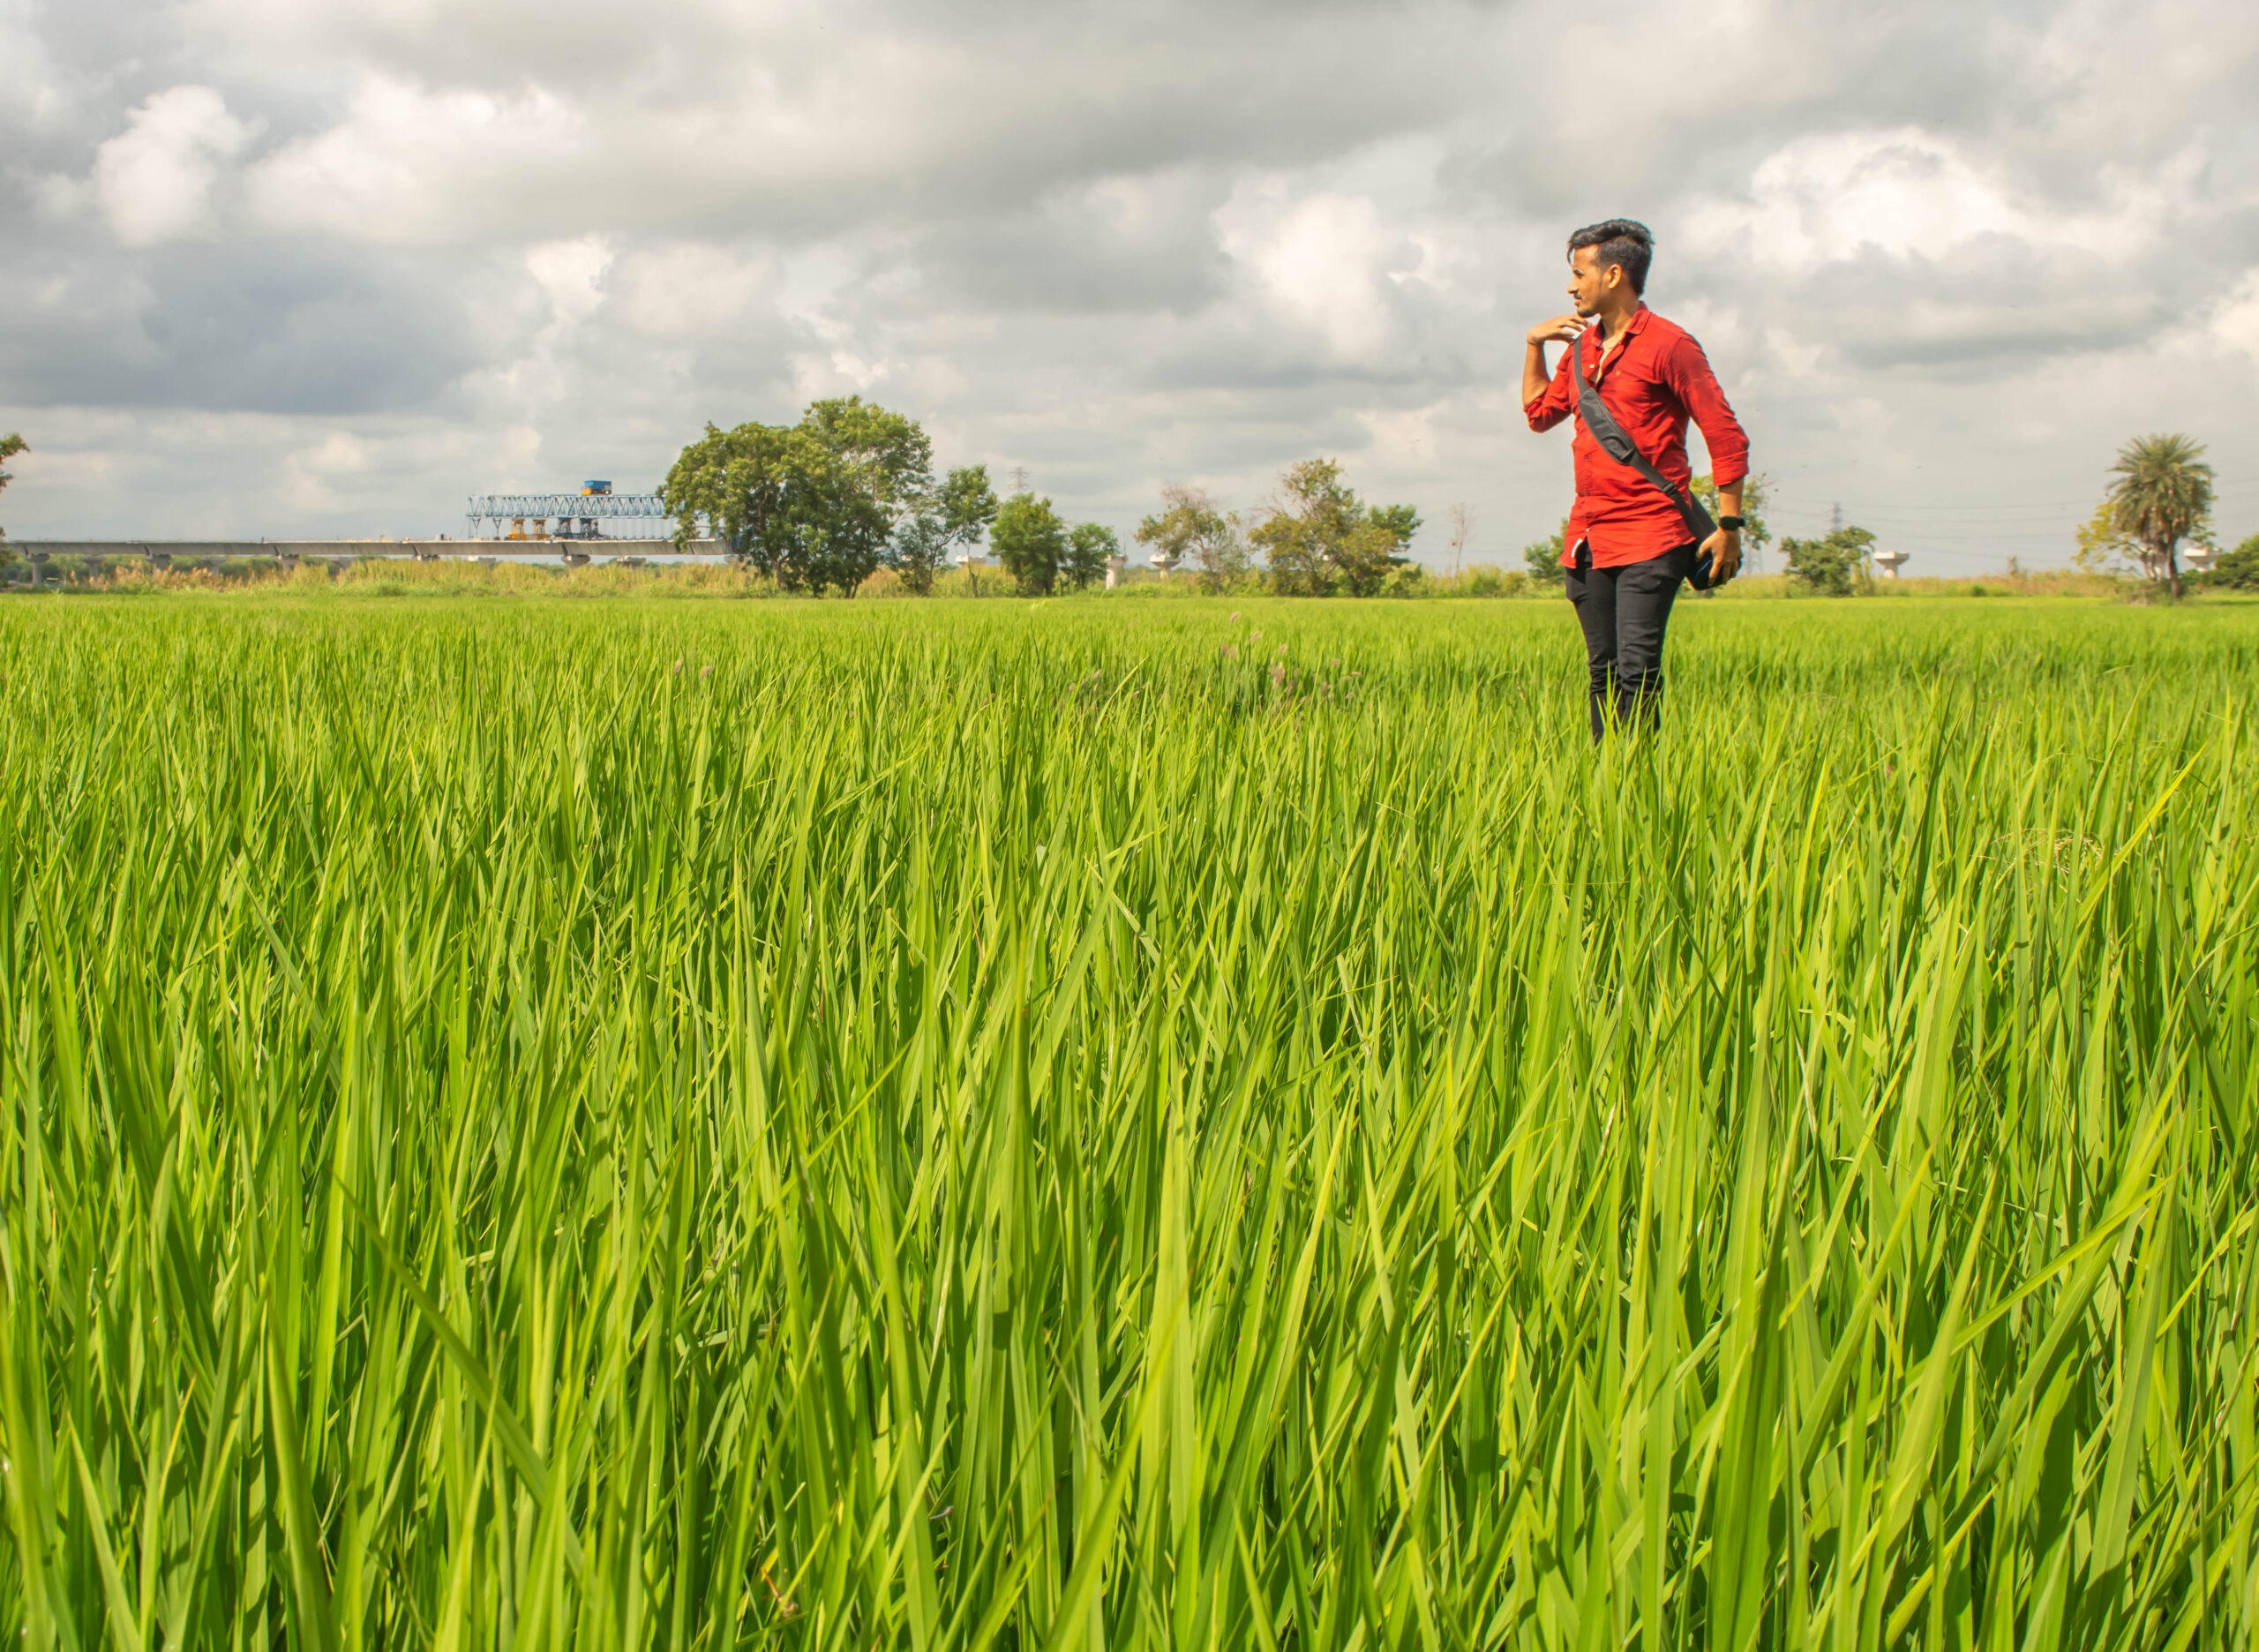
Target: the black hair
(1621, 241)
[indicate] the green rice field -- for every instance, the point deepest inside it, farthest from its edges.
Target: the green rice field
(1106, 1124)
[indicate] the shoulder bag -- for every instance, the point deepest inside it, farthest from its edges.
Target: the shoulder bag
(1625, 451)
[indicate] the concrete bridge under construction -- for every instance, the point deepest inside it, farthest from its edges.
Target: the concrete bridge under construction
(96, 555)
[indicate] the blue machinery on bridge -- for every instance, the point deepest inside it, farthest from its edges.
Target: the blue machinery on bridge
(577, 515)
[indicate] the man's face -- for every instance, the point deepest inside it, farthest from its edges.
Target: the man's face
(1588, 278)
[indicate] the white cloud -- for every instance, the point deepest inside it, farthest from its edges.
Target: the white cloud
(1933, 248)
(309, 477)
(153, 181)
(31, 94)
(1405, 439)
(411, 166)
(571, 274)
(1323, 260)
(570, 277)
(685, 291)
(1905, 193)
(2235, 320)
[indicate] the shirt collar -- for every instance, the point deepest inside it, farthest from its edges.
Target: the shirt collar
(1632, 329)
(1639, 320)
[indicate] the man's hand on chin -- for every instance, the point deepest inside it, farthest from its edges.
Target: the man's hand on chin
(1724, 548)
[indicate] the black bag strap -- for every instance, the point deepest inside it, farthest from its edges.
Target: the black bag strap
(1625, 451)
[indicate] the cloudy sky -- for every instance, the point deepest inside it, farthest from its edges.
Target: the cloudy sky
(312, 266)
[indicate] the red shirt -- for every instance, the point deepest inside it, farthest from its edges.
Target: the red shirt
(1652, 382)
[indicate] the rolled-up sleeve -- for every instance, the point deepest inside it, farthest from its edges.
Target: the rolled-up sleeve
(1689, 374)
(1555, 405)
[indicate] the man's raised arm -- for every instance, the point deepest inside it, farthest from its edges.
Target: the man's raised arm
(1537, 380)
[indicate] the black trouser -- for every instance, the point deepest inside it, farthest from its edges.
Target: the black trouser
(1624, 611)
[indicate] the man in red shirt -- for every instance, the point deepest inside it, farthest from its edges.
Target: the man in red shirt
(1627, 549)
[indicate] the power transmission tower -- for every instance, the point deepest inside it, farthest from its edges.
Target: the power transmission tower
(1020, 478)
(1836, 526)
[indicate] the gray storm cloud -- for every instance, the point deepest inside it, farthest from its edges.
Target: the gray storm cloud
(281, 266)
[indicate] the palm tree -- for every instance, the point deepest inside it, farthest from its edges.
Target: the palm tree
(2162, 495)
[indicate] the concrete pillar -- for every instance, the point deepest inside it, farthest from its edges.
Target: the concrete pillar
(1114, 566)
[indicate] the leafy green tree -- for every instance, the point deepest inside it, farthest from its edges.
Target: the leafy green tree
(2236, 570)
(957, 513)
(1088, 547)
(732, 483)
(967, 504)
(10, 445)
(2103, 548)
(816, 505)
(785, 502)
(1543, 556)
(920, 547)
(1031, 542)
(2162, 496)
(1186, 517)
(1835, 565)
(890, 451)
(1191, 527)
(1320, 536)
(1374, 552)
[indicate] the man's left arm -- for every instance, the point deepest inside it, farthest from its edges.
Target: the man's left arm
(1729, 445)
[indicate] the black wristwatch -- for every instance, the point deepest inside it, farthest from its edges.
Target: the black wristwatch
(1731, 524)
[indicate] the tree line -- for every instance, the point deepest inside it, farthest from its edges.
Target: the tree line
(824, 504)
(2155, 512)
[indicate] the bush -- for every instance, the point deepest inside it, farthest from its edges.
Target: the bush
(1320, 535)
(2236, 570)
(1089, 545)
(1483, 580)
(1544, 558)
(1031, 542)
(1835, 566)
